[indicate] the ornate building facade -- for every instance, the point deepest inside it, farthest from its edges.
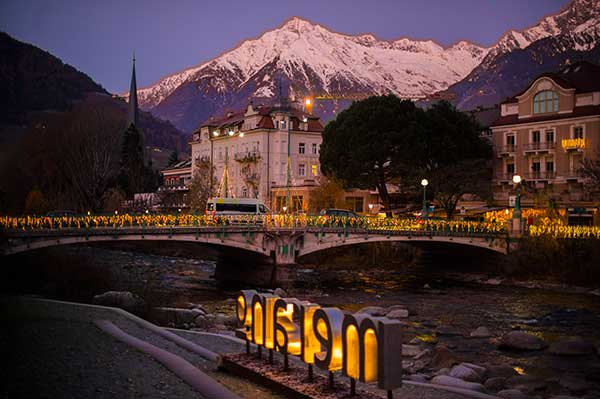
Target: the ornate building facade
(248, 153)
(543, 134)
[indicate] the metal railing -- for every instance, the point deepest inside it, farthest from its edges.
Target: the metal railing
(546, 175)
(539, 146)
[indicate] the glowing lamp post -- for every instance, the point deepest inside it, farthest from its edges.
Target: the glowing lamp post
(370, 209)
(424, 183)
(517, 211)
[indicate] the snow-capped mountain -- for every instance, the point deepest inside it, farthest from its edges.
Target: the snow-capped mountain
(310, 59)
(518, 57)
(304, 58)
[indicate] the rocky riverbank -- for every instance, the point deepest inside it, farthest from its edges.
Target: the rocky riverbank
(485, 330)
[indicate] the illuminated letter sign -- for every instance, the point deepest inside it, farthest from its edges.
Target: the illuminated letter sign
(364, 347)
(571, 144)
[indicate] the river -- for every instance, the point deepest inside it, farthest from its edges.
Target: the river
(444, 306)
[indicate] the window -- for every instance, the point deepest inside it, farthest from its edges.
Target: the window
(549, 136)
(550, 165)
(510, 140)
(314, 148)
(244, 192)
(545, 101)
(314, 169)
(184, 199)
(535, 167)
(280, 203)
(297, 201)
(282, 125)
(301, 148)
(535, 136)
(578, 132)
(301, 169)
(510, 169)
(355, 204)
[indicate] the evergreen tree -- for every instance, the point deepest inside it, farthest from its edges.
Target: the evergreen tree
(131, 176)
(174, 158)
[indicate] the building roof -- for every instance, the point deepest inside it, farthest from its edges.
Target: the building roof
(237, 117)
(583, 76)
(180, 165)
(513, 119)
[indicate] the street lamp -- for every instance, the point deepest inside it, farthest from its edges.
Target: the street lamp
(284, 209)
(517, 212)
(424, 183)
(370, 209)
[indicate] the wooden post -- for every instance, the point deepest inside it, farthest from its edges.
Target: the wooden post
(259, 351)
(286, 364)
(352, 387)
(270, 356)
(310, 372)
(331, 380)
(390, 394)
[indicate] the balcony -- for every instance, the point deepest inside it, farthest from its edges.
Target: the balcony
(504, 177)
(539, 146)
(173, 188)
(505, 150)
(546, 175)
(572, 174)
(247, 156)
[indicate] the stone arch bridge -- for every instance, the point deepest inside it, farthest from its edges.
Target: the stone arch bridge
(283, 245)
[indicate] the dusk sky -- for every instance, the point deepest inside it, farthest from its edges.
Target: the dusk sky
(98, 37)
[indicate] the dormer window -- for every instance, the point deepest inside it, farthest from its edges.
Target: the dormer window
(545, 101)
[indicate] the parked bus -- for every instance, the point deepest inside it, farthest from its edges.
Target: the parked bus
(235, 206)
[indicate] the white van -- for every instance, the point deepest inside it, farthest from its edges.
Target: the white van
(235, 206)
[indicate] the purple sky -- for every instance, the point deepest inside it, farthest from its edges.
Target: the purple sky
(98, 36)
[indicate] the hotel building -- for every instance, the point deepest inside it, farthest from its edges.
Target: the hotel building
(543, 134)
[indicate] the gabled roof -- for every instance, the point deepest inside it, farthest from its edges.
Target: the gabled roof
(583, 76)
(180, 165)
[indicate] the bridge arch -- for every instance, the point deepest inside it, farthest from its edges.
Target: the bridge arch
(492, 244)
(199, 239)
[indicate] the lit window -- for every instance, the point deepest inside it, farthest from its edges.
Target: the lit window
(301, 169)
(545, 101)
(314, 170)
(301, 148)
(282, 125)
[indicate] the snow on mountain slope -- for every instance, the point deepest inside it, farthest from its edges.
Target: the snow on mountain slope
(406, 67)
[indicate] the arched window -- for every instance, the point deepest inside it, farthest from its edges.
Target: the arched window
(545, 101)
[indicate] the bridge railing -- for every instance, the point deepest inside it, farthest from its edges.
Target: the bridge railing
(264, 222)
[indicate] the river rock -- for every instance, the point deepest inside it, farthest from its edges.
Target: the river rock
(174, 316)
(422, 354)
(202, 322)
(418, 377)
(226, 320)
(522, 341)
(511, 394)
(480, 332)
(572, 347)
(373, 311)
(457, 383)
(121, 299)
(443, 358)
(465, 373)
(410, 350)
(503, 370)
(280, 292)
(574, 383)
(494, 383)
(447, 330)
(398, 314)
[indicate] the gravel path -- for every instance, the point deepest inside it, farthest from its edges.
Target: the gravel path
(52, 358)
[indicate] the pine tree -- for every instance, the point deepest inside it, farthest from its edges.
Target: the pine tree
(174, 158)
(131, 176)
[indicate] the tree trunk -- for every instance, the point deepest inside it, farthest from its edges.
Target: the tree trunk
(385, 197)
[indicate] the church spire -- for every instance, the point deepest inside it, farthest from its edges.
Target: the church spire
(132, 115)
